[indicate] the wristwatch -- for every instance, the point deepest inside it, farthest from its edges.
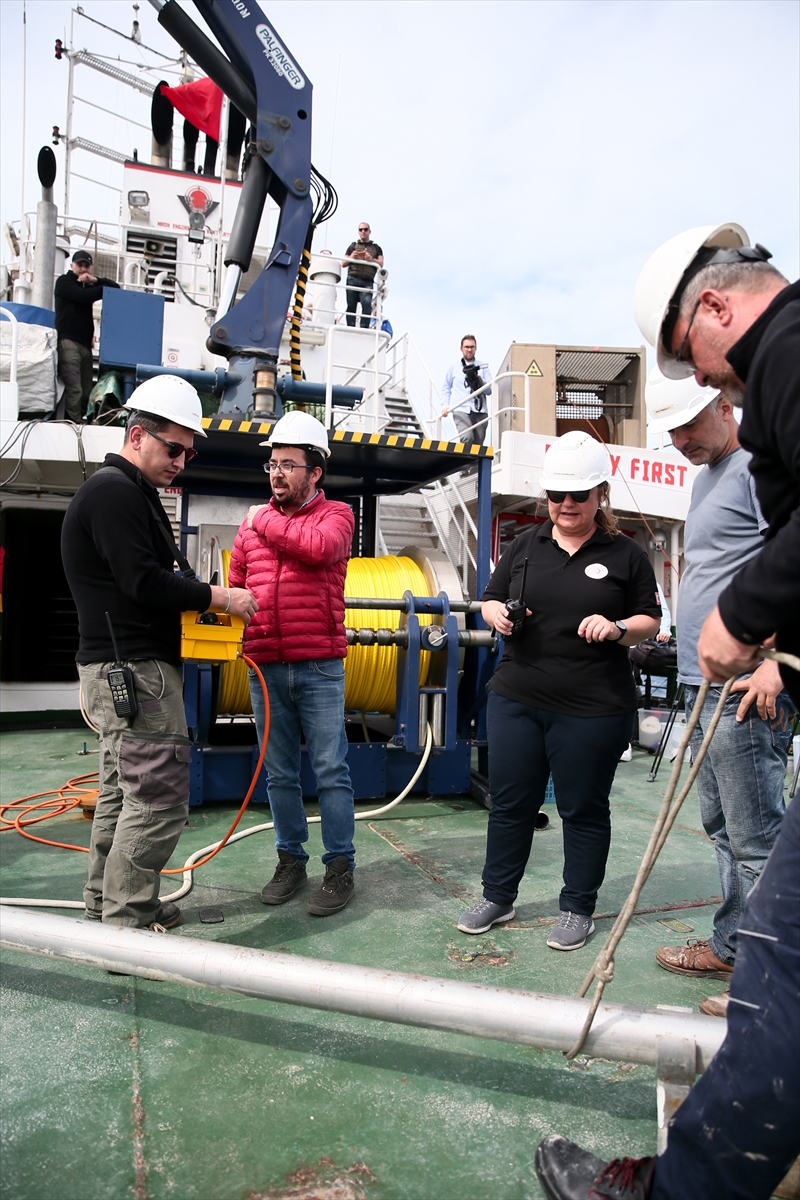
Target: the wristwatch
(623, 629)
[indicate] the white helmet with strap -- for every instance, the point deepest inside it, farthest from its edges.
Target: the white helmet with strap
(663, 280)
(170, 398)
(576, 460)
(674, 402)
(299, 428)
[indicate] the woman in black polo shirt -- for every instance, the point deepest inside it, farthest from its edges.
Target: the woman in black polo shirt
(562, 700)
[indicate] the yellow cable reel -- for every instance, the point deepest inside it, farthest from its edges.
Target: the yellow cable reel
(370, 682)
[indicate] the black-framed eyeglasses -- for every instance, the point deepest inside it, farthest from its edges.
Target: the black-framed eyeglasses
(174, 449)
(560, 497)
(273, 468)
(679, 356)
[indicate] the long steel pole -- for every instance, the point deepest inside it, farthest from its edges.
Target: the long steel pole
(620, 1032)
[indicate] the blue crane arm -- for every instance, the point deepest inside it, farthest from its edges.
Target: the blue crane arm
(268, 85)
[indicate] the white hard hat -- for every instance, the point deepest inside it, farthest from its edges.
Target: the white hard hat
(576, 460)
(172, 399)
(662, 276)
(299, 428)
(674, 402)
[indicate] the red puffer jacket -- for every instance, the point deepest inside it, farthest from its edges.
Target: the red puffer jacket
(295, 567)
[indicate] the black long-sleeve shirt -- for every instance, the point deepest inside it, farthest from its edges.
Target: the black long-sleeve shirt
(74, 302)
(764, 597)
(117, 561)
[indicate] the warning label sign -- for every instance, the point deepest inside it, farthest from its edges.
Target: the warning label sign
(534, 369)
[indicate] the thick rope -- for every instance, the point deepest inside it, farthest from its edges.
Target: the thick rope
(603, 967)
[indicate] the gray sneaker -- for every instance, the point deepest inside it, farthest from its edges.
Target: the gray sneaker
(570, 931)
(484, 915)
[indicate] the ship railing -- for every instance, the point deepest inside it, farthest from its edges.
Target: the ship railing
(511, 410)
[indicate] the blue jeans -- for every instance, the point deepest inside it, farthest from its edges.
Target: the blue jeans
(738, 1131)
(306, 698)
(526, 746)
(740, 785)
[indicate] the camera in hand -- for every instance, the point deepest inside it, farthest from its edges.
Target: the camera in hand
(517, 609)
(472, 374)
(120, 680)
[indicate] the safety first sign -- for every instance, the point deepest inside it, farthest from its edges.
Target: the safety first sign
(655, 482)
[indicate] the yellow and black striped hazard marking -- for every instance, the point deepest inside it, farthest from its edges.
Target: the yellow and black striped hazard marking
(397, 441)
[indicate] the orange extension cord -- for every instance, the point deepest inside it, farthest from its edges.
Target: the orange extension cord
(64, 799)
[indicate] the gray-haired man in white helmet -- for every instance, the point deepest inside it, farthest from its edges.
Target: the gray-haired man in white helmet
(741, 779)
(119, 559)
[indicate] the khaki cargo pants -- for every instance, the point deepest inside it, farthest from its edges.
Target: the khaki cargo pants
(144, 794)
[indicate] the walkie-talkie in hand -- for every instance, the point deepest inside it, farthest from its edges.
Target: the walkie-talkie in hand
(517, 609)
(120, 680)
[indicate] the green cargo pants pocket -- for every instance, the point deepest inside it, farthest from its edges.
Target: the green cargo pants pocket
(157, 773)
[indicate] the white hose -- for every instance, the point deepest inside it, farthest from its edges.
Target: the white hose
(186, 886)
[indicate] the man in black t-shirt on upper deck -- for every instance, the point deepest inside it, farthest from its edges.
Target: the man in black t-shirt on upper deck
(75, 293)
(358, 259)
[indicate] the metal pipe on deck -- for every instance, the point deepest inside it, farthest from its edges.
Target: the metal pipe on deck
(620, 1032)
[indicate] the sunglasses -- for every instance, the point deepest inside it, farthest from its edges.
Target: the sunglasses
(174, 449)
(560, 497)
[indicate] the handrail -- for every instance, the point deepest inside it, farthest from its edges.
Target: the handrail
(462, 536)
(12, 371)
(452, 486)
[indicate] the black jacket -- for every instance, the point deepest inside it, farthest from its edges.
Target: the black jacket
(74, 302)
(117, 561)
(764, 597)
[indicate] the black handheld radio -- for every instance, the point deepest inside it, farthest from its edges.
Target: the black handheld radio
(120, 680)
(517, 609)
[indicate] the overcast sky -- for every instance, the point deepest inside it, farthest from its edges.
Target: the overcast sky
(518, 162)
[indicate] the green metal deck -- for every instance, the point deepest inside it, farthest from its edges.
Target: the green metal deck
(124, 1087)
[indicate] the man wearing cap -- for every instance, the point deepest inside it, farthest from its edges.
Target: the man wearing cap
(119, 558)
(714, 308)
(75, 293)
(292, 553)
(741, 779)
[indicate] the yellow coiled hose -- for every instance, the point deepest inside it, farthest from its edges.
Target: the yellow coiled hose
(370, 671)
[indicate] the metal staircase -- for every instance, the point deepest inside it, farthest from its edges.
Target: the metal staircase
(441, 517)
(403, 419)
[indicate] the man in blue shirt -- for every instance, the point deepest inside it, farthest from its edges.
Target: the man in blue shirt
(741, 780)
(461, 380)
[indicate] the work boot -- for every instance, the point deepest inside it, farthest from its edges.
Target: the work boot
(715, 1006)
(335, 890)
(695, 958)
(570, 931)
(290, 874)
(167, 917)
(484, 915)
(566, 1172)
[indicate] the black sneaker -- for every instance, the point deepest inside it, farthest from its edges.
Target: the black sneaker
(335, 890)
(290, 874)
(167, 917)
(567, 1172)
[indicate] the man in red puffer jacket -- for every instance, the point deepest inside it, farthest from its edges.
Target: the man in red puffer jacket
(293, 554)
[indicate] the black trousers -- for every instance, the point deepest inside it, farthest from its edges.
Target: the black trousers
(738, 1131)
(526, 746)
(359, 292)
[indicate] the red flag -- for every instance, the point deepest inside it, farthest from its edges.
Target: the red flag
(200, 102)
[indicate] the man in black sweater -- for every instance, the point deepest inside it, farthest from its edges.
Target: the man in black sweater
(714, 307)
(76, 291)
(119, 558)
